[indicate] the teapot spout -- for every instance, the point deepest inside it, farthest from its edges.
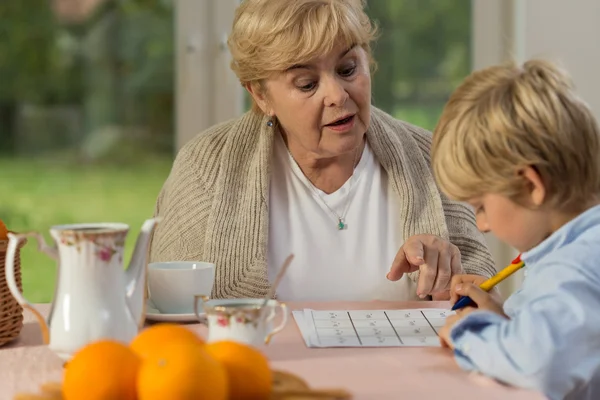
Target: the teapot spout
(135, 274)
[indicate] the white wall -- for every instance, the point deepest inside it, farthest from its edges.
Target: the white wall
(567, 31)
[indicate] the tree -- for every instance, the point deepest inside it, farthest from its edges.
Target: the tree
(423, 50)
(115, 65)
(31, 65)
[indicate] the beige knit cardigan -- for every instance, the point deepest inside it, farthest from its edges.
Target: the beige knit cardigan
(214, 203)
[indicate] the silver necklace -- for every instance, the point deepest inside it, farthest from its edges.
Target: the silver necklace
(341, 219)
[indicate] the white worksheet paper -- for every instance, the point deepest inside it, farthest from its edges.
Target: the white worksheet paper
(371, 328)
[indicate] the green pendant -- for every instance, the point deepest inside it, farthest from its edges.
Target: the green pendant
(341, 224)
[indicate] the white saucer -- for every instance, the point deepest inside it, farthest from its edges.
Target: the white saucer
(152, 314)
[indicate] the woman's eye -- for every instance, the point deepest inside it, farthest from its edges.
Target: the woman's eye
(345, 72)
(307, 87)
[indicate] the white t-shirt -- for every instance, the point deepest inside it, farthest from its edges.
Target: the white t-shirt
(331, 264)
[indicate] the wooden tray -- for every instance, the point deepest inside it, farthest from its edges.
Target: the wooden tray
(286, 386)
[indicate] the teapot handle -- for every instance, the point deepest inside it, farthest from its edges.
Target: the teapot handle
(13, 243)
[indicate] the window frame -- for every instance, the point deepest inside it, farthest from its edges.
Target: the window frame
(206, 89)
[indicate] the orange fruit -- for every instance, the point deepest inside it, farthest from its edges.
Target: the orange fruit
(102, 370)
(181, 371)
(248, 371)
(156, 336)
(3, 231)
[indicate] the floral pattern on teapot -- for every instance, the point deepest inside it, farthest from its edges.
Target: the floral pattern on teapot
(106, 245)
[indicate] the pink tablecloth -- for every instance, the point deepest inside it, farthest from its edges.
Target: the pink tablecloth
(369, 373)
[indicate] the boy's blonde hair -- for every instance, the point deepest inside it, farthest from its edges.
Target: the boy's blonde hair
(503, 119)
(270, 36)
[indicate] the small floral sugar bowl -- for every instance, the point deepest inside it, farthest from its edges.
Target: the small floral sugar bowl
(241, 320)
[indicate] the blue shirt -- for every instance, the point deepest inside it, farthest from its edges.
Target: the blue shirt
(551, 343)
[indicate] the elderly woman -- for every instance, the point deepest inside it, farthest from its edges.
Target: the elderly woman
(315, 170)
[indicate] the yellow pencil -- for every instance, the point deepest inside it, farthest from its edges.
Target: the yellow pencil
(514, 266)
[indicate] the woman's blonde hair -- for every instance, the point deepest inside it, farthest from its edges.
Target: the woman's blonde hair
(503, 119)
(270, 36)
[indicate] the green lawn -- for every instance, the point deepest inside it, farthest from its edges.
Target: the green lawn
(35, 195)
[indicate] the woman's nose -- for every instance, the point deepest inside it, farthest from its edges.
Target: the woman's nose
(335, 93)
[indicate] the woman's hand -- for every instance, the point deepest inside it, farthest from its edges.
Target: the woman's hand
(437, 260)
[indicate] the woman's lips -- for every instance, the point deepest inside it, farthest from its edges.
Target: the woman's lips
(344, 126)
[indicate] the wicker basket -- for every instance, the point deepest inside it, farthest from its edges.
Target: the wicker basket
(11, 313)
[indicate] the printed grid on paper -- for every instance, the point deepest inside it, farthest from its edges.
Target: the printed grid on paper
(378, 328)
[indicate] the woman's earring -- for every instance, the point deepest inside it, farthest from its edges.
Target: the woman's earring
(270, 121)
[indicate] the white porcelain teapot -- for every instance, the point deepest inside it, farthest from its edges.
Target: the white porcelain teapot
(94, 298)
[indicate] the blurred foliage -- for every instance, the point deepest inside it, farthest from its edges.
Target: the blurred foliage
(423, 52)
(33, 66)
(114, 67)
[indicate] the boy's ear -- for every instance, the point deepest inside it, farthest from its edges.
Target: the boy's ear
(537, 190)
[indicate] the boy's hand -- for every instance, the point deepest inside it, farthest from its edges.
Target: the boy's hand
(468, 285)
(444, 333)
(475, 280)
(483, 300)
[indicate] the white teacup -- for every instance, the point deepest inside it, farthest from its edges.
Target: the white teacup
(173, 285)
(240, 319)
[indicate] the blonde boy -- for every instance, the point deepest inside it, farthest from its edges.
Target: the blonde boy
(519, 145)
